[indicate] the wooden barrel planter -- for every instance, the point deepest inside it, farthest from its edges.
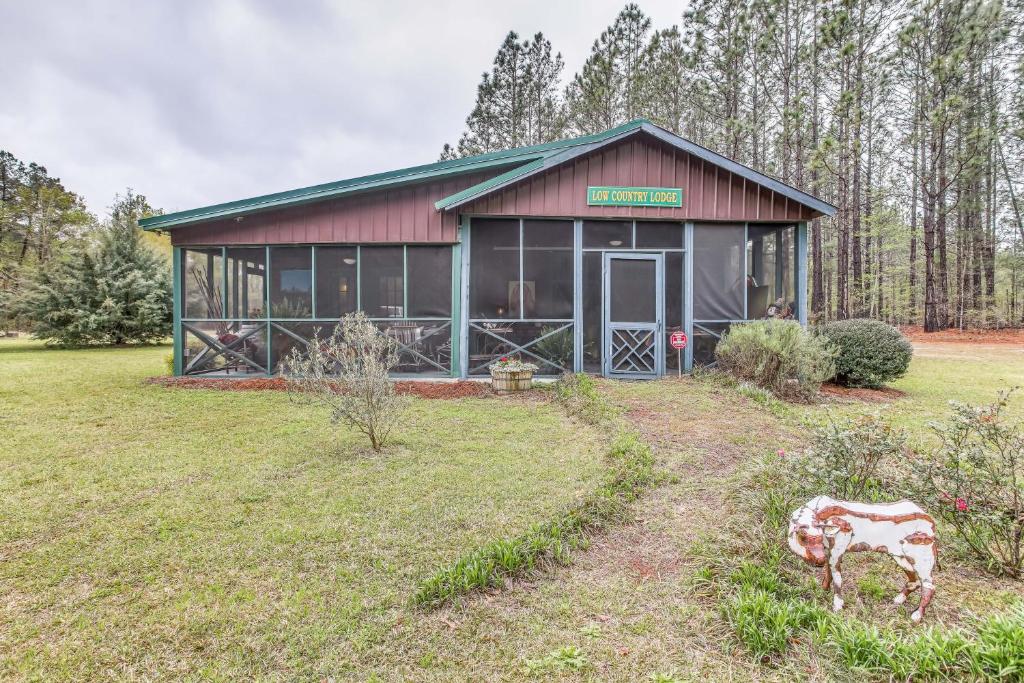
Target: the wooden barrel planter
(511, 380)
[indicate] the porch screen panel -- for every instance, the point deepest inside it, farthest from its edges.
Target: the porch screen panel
(673, 304)
(592, 297)
(246, 282)
(659, 235)
(633, 297)
(705, 339)
(494, 269)
(771, 272)
(430, 281)
(607, 234)
(547, 269)
(547, 344)
(335, 281)
(718, 271)
(225, 347)
(382, 282)
(787, 266)
(203, 284)
(291, 282)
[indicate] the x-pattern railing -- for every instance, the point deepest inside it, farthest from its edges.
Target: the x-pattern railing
(521, 348)
(416, 353)
(220, 349)
(638, 347)
(716, 335)
(401, 346)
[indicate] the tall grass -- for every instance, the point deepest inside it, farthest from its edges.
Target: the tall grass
(768, 608)
(630, 471)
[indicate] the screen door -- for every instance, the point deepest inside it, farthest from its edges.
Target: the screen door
(633, 315)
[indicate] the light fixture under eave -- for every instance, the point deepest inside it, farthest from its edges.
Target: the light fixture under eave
(616, 243)
(349, 261)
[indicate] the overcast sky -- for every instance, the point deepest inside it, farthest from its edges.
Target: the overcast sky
(197, 102)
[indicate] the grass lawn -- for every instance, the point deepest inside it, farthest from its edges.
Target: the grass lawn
(153, 533)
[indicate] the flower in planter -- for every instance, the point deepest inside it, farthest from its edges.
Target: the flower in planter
(961, 505)
(506, 364)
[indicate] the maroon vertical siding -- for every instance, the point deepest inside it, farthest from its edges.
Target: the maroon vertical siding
(406, 214)
(397, 215)
(710, 193)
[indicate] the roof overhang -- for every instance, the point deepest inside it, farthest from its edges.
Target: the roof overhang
(317, 193)
(512, 166)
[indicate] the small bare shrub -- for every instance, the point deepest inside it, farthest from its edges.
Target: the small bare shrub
(975, 483)
(348, 373)
(848, 456)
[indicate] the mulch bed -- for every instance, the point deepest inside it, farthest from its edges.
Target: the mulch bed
(438, 390)
(883, 395)
(1011, 336)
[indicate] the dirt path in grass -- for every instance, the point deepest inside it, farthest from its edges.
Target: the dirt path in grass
(628, 605)
(701, 436)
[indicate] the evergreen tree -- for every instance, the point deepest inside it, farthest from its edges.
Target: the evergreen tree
(517, 102)
(664, 83)
(906, 115)
(608, 90)
(116, 292)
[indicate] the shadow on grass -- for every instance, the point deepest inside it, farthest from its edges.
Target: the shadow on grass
(28, 345)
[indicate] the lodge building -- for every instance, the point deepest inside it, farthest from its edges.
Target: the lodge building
(584, 254)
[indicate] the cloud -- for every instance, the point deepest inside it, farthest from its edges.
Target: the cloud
(193, 102)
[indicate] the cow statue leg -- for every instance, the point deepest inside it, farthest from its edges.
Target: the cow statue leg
(922, 556)
(913, 580)
(836, 543)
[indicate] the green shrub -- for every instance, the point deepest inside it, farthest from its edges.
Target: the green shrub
(847, 456)
(870, 353)
(975, 483)
(777, 355)
(169, 363)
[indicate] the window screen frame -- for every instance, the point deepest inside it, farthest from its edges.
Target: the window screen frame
(275, 325)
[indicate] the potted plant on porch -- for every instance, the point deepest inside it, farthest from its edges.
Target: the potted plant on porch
(511, 374)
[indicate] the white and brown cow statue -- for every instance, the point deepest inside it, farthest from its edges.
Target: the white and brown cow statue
(825, 529)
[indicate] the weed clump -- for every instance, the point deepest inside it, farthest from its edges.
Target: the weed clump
(578, 396)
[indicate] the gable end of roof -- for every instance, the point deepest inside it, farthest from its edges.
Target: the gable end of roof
(642, 126)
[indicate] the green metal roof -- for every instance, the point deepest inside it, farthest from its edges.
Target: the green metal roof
(524, 162)
(523, 158)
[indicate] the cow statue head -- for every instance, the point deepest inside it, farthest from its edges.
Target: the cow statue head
(807, 536)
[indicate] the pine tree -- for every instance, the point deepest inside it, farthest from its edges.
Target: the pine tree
(609, 88)
(115, 292)
(664, 80)
(133, 279)
(517, 103)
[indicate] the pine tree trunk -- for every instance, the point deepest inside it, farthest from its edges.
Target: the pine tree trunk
(857, 285)
(915, 175)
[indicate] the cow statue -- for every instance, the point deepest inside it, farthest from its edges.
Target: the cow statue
(825, 529)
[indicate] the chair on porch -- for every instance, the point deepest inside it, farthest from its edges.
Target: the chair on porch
(409, 336)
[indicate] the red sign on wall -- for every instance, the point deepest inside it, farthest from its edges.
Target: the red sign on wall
(677, 340)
